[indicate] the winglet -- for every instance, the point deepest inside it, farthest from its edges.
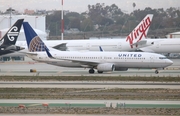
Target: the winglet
(48, 53)
(140, 32)
(100, 48)
(35, 44)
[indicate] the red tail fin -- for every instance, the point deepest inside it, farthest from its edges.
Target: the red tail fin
(140, 32)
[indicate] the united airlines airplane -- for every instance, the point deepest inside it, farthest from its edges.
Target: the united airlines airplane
(102, 61)
(8, 41)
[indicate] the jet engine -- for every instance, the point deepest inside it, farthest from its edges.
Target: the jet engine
(105, 67)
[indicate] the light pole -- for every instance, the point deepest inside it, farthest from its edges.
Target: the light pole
(85, 29)
(10, 10)
(36, 22)
(104, 28)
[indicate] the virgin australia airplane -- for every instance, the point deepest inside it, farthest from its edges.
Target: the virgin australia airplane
(102, 61)
(8, 41)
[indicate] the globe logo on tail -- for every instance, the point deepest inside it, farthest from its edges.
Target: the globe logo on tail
(36, 44)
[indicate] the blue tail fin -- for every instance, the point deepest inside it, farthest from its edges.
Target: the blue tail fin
(35, 44)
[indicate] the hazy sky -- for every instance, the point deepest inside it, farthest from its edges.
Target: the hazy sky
(82, 5)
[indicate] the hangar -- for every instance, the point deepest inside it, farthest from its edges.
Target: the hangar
(173, 35)
(37, 22)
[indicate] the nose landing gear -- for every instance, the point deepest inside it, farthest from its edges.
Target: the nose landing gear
(156, 71)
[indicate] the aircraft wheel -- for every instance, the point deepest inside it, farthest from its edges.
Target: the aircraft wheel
(156, 71)
(91, 71)
(100, 71)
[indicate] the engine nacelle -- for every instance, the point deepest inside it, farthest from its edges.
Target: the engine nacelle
(105, 67)
(120, 69)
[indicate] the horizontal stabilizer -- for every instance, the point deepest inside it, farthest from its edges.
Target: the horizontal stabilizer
(29, 53)
(142, 42)
(61, 47)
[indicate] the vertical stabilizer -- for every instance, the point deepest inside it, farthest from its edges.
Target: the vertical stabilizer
(11, 35)
(35, 44)
(140, 32)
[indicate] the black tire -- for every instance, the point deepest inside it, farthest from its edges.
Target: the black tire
(156, 71)
(100, 71)
(91, 71)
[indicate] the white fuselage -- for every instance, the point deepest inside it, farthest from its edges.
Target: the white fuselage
(163, 46)
(120, 45)
(92, 59)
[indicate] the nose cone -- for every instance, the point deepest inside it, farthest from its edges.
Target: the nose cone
(169, 62)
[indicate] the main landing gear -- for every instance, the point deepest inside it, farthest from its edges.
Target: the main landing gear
(91, 71)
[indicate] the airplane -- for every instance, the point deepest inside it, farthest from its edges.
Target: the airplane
(102, 61)
(133, 41)
(8, 41)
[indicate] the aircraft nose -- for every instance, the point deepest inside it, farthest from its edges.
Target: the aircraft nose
(169, 62)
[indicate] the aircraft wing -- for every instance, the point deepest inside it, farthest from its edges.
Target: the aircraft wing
(83, 62)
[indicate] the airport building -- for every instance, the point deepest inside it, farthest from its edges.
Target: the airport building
(173, 35)
(37, 22)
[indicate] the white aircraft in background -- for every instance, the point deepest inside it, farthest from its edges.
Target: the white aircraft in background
(102, 61)
(134, 40)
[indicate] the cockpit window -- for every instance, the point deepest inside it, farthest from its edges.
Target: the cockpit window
(162, 57)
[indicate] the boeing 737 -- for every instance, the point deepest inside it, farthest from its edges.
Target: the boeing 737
(134, 40)
(8, 41)
(102, 61)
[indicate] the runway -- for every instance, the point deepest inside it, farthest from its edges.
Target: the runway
(91, 103)
(88, 84)
(71, 115)
(23, 69)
